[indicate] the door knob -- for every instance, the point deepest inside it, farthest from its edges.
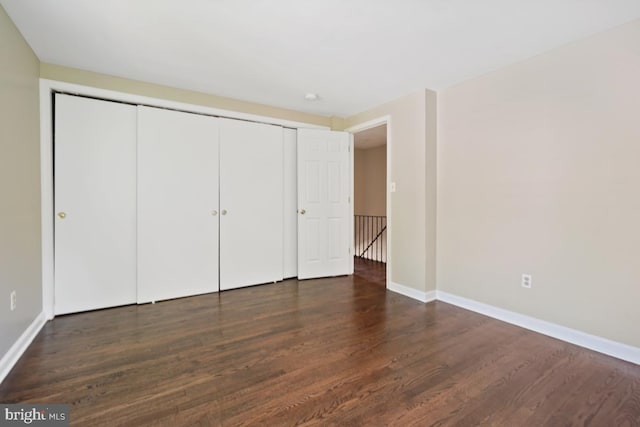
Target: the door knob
(214, 213)
(62, 215)
(224, 211)
(302, 212)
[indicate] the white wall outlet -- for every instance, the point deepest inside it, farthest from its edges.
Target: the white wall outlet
(13, 300)
(392, 187)
(526, 281)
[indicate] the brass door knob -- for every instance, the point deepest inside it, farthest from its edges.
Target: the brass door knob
(302, 212)
(62, 215)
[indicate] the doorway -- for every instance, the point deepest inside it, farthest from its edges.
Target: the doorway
(370, 202)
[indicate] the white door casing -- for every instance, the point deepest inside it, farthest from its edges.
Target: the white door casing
(290, 204)
(251, 203)
(324, 208)
(177, 204)
(95, 204)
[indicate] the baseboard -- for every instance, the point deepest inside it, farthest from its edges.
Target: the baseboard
(11, 357)
(412, 293)
(592, 342)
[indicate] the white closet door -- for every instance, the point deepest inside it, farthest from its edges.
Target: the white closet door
(177, 204)
(251, 203)
(324, 219)
(290, 204)
(95, 204)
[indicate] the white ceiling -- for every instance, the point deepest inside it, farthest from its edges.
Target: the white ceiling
(370, 138)
(355, 54)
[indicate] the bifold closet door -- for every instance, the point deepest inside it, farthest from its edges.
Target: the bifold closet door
(251, 203)
(95, 204)
(177, 204)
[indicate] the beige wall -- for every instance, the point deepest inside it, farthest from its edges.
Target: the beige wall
(103, 81)
(20, 253)
(359, 181)
(413, 214)
(370, 181)
(538, 172)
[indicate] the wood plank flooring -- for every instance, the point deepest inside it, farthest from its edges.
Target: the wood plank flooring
(338, 351)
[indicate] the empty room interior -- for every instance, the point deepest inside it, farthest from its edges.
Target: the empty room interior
(320, 213)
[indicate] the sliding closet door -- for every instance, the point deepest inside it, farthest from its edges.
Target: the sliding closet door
(177, 204)
(251, 203)
(95, 204)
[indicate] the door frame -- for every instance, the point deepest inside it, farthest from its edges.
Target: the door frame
(47, 89)
(379, 121)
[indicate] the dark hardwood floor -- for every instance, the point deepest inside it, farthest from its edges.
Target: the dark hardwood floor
(338, 351)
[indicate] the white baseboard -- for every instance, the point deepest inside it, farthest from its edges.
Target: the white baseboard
(592, 342)
(412, 293)
(11, 357)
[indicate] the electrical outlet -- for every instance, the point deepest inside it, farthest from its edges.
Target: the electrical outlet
(13, 300)
(526, 281)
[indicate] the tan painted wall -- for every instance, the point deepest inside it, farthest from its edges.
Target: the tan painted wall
(359, 181)
(413, 214)
(370, 181)
(538, 172)
(20, 252)
(103, 81)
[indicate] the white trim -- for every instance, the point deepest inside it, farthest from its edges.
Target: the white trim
(359, 128)
(369, 124)
(411, 292)
(47, 87)
(582, 339)
(352, 204)
(12, 356)
(76, 89)
(46, 197)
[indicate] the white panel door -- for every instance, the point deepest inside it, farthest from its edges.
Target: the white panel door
(177, 204)
(290, 204)
(324, 219)
(95, 204)
(251, 203)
